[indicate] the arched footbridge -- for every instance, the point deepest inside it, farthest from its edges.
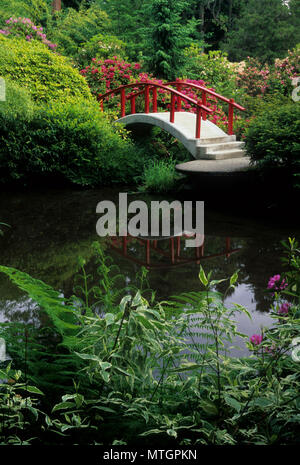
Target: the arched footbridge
(144, 102)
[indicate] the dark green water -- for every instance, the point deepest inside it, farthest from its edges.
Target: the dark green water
(50, 229)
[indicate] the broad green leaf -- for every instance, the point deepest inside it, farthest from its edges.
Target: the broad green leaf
(63, 406)
(232, 403)
(34, 390)
(202, 277)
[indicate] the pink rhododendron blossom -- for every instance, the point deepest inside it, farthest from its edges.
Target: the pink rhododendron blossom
(275, 284)
(256, 339)
(284, 308)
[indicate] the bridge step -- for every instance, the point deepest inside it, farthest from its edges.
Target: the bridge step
(221, 151)
(223, 155)
(215, 167)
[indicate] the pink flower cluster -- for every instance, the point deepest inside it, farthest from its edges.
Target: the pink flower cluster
(105, 75)
(24, 27)
(284, 308)
(275, 284)
(256, 339)
(258, 79)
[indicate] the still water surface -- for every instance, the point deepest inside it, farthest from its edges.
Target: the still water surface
(50, 229)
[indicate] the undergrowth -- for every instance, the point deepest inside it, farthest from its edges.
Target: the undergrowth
(118, 367)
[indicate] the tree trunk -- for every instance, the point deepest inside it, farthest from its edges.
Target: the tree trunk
(56, 5)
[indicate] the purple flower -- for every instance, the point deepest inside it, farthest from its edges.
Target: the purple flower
(256, 339)
(284, 308)
(275, 284)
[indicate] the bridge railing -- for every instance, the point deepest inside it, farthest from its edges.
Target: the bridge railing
(204, 92)
(148, 87)
(180, 84)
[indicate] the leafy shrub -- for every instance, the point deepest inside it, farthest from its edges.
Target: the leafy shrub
(25, 28)
(39, 11)
(212, 67)
(272, 138)
(104, 75)
(18, 103)
(46, 75)
(258, 79)
(72, 139)
(159, 176)
(18, 410)
(73, 28)
(101, 47)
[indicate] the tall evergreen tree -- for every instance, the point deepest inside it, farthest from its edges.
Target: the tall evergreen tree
(169, 34)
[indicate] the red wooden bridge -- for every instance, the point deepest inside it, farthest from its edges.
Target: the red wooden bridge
(201, 137)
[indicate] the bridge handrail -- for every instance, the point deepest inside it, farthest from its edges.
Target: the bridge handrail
(180, 83)
(200, 107)
(208, 91)
(151, 85)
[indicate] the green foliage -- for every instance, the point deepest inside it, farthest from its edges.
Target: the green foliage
(74, 28)
(159, 176)
(128, 22)
(18, 103)
(272, 139)
(39, 11)
(257, 79)
(162, 371)
(168, 38)
(47, 76)
(101, 47)
(212, 67)
(71, 139)
(265, 29)
(18, 409)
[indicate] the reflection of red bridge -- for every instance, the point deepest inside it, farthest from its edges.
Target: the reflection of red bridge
(174, 253)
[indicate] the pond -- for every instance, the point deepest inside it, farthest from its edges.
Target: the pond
(50, 229)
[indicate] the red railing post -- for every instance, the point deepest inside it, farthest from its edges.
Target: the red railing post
(179, 88)
(198, 123)
(132, 105)
(123, 101)
(101, 105)
(148, 252)
(204, 103)
(154, 100)
(125, 245)
(230, 117)
(172, 112)
(147, 98)
(172, 249)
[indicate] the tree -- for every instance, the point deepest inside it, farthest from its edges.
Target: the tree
(168, 35)
(266, 29)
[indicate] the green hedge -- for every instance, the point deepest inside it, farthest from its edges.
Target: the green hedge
(39, 11)
(272, 139)
(73, 140)
(47, 75)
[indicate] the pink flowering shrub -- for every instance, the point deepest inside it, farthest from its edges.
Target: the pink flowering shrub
(260, 79)
(25, 28)
(105, 75)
